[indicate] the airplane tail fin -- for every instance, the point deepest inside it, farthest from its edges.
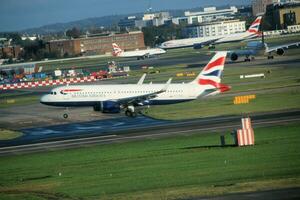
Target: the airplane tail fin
(116, 49)
(210, 76)
(255, 25)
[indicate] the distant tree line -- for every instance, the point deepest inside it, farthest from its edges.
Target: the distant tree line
(154, 36)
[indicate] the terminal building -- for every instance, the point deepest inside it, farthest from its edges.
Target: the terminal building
(127, 22)
(97, 45)
(153, 19)
(214, 28)
(207, 15)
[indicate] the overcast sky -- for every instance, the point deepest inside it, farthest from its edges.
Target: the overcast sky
(22, 14)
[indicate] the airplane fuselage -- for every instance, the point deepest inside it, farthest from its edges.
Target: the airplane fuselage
(190, 42)
(80, 95)
(142, 53)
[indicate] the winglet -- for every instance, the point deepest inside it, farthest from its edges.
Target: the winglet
(167, 85)
(266, 48)
(140, 82)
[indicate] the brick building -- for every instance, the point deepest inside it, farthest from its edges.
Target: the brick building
(97, 45)
(10, 51)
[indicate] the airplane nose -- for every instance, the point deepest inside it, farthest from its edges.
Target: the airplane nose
(44, 99)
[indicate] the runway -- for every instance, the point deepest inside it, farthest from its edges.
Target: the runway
(129, 129)
(277, 194)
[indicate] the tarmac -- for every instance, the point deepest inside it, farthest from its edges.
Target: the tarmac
(276, 194)
(124, 129)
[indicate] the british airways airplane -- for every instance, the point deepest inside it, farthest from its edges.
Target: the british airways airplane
(197, 43)
(118, 97)
(139, 54)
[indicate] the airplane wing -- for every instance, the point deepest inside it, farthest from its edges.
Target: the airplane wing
(284, 46)
(144, 97)
(142, 79)
(199, 45)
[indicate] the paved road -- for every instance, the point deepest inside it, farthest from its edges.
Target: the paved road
(127, 129)
(278, 194)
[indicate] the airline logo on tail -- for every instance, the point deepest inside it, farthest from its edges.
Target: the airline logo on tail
(255, 25)
(212, 72)
(116, 50)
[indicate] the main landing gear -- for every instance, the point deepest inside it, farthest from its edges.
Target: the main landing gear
(247, 59)
(130, 111)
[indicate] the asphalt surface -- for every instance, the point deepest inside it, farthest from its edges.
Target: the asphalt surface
(129, 129)
(278, 194)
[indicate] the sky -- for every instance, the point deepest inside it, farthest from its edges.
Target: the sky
(22, 14)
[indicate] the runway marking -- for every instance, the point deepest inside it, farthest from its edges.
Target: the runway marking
(54, 142)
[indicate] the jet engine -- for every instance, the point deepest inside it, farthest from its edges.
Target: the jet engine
(234, 56)
(107, 107)
(280, 52)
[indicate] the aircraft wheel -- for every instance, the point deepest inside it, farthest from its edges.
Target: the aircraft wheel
(133, 114)
(127, 113)
(65, 115)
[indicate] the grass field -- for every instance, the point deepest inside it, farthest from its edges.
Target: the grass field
(14, 100)
(224, 106)
(285, 80)
(175, 167)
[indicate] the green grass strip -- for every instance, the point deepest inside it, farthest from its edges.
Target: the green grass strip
(181, 166)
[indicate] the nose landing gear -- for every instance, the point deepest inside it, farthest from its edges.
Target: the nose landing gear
(65, 115)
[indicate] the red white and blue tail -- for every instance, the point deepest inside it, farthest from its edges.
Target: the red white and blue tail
(210, 76)
(116, 50)
(255, 26)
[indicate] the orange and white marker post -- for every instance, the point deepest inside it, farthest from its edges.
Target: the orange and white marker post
(245, 136)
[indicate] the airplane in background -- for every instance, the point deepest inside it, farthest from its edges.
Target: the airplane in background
(139, 54)
(118, 97)
(197, 43)
(255, 48)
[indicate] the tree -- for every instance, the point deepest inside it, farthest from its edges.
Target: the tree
(73, 33)
(16, 39)
(156, 35)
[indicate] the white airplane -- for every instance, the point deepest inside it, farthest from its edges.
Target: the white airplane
(199, 42)
(114, 98)
(139, 54)
(255, 48)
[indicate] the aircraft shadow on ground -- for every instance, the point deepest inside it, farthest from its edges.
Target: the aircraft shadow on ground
(209, 146)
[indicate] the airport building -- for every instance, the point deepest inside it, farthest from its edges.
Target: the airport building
(97, 45)
(10, 51)
(127, 23)
(207, 15)
(259, 6)
(153, 19)
(214, 28)
(281, 16)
